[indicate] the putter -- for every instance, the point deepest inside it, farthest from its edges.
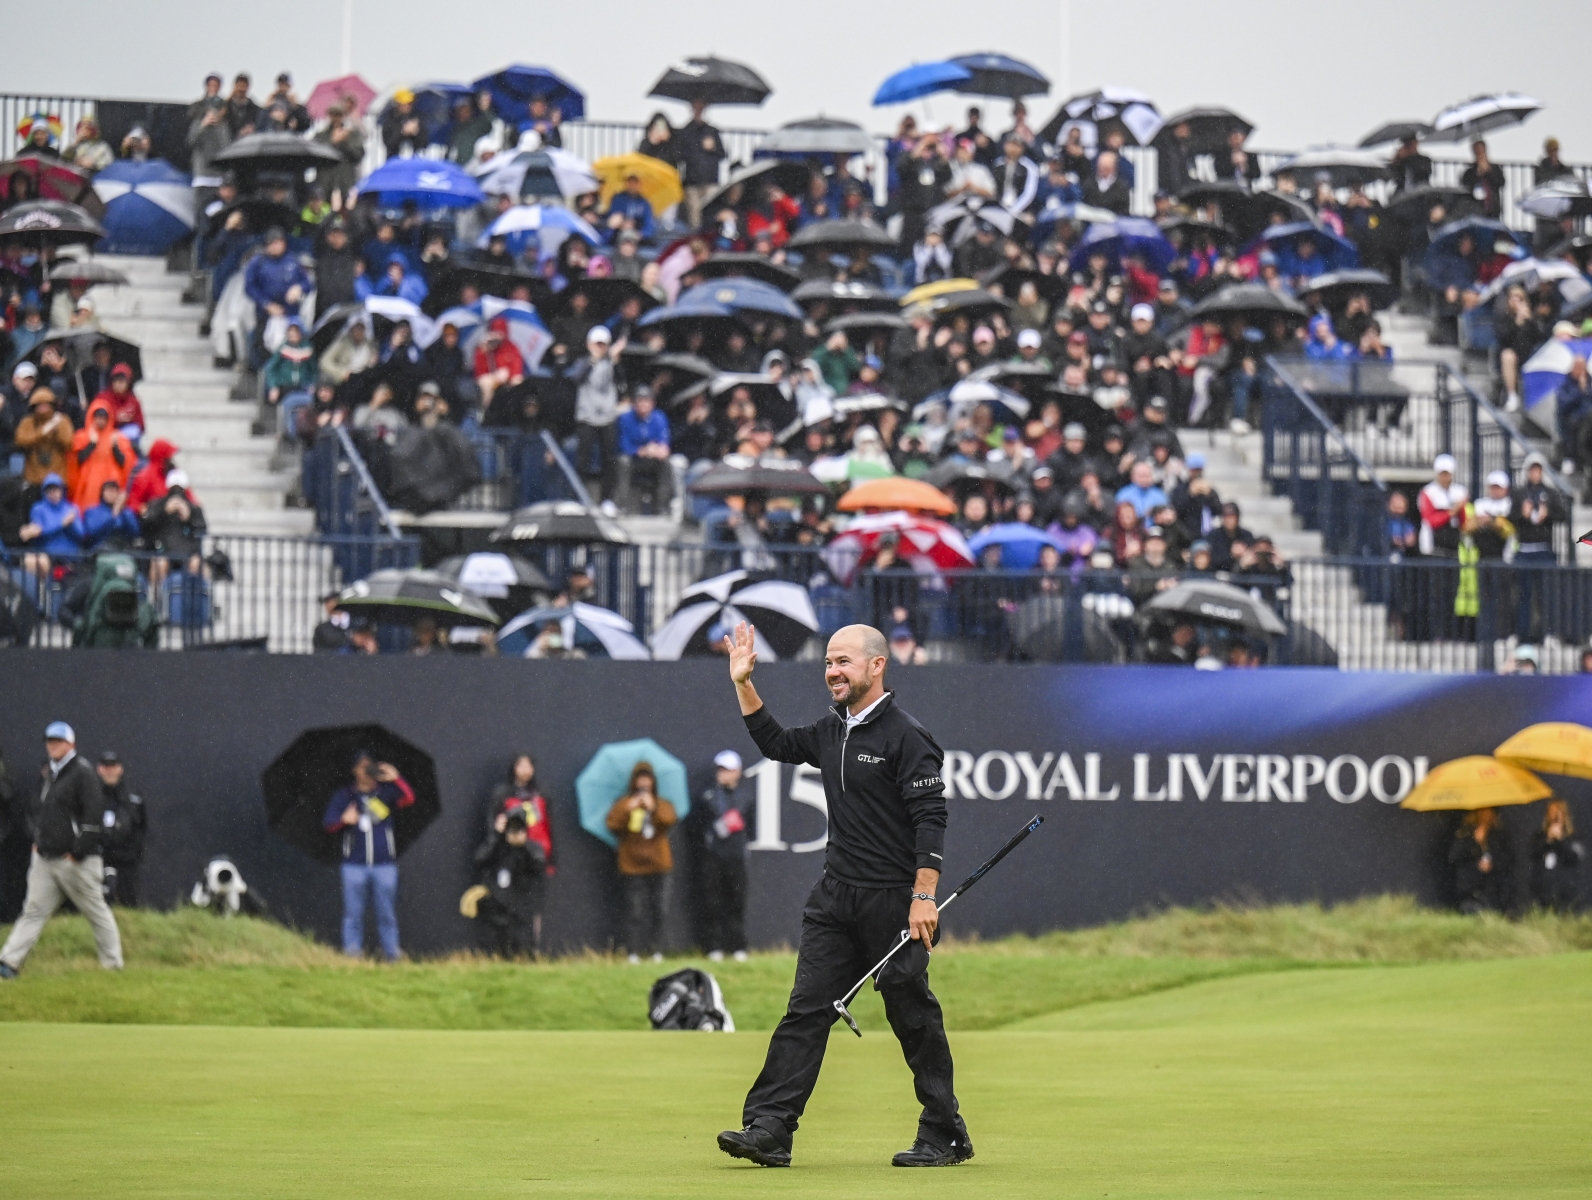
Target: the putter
(906, 934)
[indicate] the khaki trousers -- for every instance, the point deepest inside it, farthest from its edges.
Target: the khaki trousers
(52, 881)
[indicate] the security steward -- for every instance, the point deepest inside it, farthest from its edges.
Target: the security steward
(882, 781)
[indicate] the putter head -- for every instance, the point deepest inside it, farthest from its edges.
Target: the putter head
(849, 1019)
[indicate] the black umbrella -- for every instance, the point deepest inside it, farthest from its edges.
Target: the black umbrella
(834, 291)
(868, 321)
(818, 135)
(964, 477)
(489, 280)
(330, 324)
(78, 346)
(791, 176)
(505, 581)
(604, 297)
(1395, 131)
(772, 402)
(1208, 129)
(404, 597)
(998, 75)
(1336, 287)
(1011, 280)
(737, 475)
(301, 782)
(48, 223)
(1473, 117)
(850, 234)
(750, 266)
(1205, 600)
(86, 270)
(1250, 301)
(1413, 206)
(711, 81)
(1191, 228)
(969, 301)
(564, 522)
(782, 614)
(276, 152)
(1342, 166)
(1247, 213)
(1039, 631)
(260, 213)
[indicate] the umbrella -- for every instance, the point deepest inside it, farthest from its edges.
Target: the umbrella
(919, 80)
(1544, 371)
(689, 315)
(1336, 287)
(1126, 236)
(973, 392)
(1413, 205)
(789, 175)
(739, 294)
(835, 291)
(1190, 228)
(1055, 210)
(277, 152)
(1477, 115)
(392, 309)
(526, 218)
(898, 494)
(1019, 543)
(1566, 196)
(958, 212)
(1395, 131)
(1343, 166)
(434, 104)
(427, 183)
(1247, 212)
(148, 206)
(1552, 747)
(48, 223)
(1039, 631)
(998, 75)
(925, 292)
(930, 546)
(1011, 279)
(868, 321)
(817, 135)
(604, 297)
(260, 212)
(736, 475)
(1473, 782)
(752, 266)
(1208, 129)
(1484, 230)
(965, 301)
(505, 581)
(350, 91)
(1133, 110)
(1335, 252)
(330, 324)
(525, 329)
(514, 87)
(86, 270)
(1529, 272)
(866, 402)
(1217, 603)
(560, 522)
(79, 346)
(489, 281)
(547, 172)
(863, 234)
(52, 179)
(660, 183)
(403, 597)
(604, 779)
(1253, 302)
(712, 81)
(599, 632)
(300, 783)
(966, 477)
(781, 613)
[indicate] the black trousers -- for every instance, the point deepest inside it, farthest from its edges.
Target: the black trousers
(845, 930)
(603, 440)
(646, 900)
(121, 883)
(723, 883)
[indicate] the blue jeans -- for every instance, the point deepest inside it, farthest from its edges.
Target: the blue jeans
(383, 881)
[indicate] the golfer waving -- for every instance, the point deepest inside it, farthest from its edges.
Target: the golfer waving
(881, 772)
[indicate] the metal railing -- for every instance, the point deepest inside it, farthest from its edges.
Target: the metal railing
(337, 482)
(1306, 458)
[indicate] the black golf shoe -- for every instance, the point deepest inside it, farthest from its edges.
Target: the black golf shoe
(755, 1144)
(925, 1153)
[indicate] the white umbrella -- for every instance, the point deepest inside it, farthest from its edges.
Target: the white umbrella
(1135, 110)
(1475, 116)
(617, 635)
(1566, 195)
(525, 218)
(1528, 273)
(395, 308)
(780, 613)
(505, 174)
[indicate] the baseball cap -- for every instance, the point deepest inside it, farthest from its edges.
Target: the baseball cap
(1200, 545)
(59, 731)
(109, 758)
(1072, 431)
(873, 361)
(1142, 312)
(1099, 306)
(983, 334)
(177, 478)
(1196, 461)
(599, 333)
(901, 633)
(1444, 462)
(25, 370)
(729, 760)
(1498, 479)
(1042, 473)
(122, 370)
(1158, 403)
(1028, 338)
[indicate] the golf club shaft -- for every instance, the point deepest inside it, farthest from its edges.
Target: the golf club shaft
(946, 903)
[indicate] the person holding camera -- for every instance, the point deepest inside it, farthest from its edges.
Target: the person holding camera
(512, 868)
(362, 811)
(642, 819)
(125, 823)
(519, 793)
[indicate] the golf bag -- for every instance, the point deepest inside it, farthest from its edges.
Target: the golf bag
(689, 999)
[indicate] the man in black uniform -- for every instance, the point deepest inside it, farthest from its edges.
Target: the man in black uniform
(886, 797)
(124, 827)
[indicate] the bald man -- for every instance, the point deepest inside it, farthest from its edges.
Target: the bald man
(882, 782)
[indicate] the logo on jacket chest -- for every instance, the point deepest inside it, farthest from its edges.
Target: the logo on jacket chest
(869, 758)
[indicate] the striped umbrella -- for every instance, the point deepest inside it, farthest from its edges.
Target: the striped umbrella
(781, 613)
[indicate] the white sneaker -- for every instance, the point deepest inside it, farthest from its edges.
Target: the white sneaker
(633, 959)
(1567, 467)
(715, 956)
(1239, 427)
(656, 957)
(1512, 402)
(609, 508)
(740, 956)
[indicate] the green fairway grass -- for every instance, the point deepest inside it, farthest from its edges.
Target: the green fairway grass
(1450, 1079)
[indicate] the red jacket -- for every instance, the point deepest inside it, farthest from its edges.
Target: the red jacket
(507, 355)
(149, 484)
(777, 222)
(537, 828)
(125, 409)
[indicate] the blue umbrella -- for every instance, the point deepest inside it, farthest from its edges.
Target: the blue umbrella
(604, 779)
(148, 207)
(434, 106)
(697, 311)
(1019, 544)
(1126, 236)
(513, 88)
(1483, 229)
(599, 632)
(1332, 251)
(741, 294)
(429, 183)
(999, 75)
(918, 80)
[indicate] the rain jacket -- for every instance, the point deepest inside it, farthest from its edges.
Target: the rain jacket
(291, 368)
(149, 484)
(125, 409)
(116, 618)
(69, 811)
(371, 842)
(267, 280)
(47, 448)
(101, 525)
(643, 837)
(108, 458)
(60, 524)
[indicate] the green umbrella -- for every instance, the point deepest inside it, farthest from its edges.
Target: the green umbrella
(605, 777)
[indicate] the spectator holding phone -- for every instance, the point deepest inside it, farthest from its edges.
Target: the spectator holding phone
(642, 820)
(362, 811)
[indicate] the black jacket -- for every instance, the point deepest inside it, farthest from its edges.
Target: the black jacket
(883, 786)
(123, 825)
(67, 819)
(716, 805)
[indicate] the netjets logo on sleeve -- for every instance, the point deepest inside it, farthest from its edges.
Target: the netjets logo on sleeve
(869, 758)
(929, 782)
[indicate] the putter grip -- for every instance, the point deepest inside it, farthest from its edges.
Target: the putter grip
(996, 857)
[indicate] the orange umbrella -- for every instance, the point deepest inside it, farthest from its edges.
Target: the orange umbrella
(897, 493)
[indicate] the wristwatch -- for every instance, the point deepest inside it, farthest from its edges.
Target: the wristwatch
(923, 896)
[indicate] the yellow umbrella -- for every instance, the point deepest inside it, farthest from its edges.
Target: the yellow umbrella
(1475, 782)
(660, 183)
(940, 287)
(1557, 747)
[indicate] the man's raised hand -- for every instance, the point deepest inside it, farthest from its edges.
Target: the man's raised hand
(743, 654)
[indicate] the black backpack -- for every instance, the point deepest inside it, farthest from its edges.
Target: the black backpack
(689, 999)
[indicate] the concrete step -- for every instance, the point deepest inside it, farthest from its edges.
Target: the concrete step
(279, 522)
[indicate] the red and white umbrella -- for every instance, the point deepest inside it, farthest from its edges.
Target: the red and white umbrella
(930, 546)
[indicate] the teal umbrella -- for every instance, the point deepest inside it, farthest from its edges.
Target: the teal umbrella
(604, 778)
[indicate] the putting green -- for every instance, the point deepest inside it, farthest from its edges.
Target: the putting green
(1454, 1079)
